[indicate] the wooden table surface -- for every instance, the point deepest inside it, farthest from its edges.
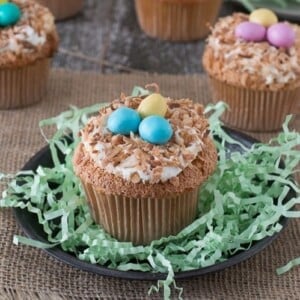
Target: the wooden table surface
(106, 37)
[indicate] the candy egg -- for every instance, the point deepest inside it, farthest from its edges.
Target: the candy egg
(264, 17)
(281, 35)
(123, 121)
(10, 14)
(250, 32)
(155, 104)
(3, 1)
(155, 130)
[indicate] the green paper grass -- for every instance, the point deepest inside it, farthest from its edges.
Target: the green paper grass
(237, 206)
(253, 4)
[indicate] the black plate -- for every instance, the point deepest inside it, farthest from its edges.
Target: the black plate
(34, 230)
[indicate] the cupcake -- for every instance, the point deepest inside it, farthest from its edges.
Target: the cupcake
(28, 39)
(253, 63)
(177, 20)
(141, 162)
(63, 9)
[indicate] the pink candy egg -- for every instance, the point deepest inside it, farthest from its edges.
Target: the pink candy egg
(281, 35)
(250, 32)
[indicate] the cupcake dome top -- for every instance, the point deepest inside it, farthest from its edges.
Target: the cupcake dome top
(256, 64)
(31, 38)
(135, 160)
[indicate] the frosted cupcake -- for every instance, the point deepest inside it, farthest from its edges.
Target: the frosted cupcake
(28, 39)
(253, 63)
(177, 20)
(141, 162)
(63, 9)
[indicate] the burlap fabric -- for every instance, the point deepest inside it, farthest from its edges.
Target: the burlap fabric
(29, 273)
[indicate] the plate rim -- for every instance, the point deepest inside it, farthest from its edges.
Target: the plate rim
(70, 259)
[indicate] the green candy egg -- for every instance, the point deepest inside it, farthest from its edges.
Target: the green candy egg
(10, 14)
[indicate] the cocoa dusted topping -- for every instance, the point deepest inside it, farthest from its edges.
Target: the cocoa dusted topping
(191, 177)
(139, 161)
(256, 65)
(33, 37)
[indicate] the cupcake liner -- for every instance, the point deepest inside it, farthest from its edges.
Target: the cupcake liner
(63, 9)
(177, 20)
(143, 220)
(23, 86)
(255, 110)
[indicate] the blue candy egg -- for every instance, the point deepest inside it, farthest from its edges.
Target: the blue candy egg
(155, 130)
(123, 121)
(10, 14)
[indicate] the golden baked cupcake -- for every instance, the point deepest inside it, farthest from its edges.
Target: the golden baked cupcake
(253, 63)
(177, 20)
(28, 39)
(141, 162)
(63, 9)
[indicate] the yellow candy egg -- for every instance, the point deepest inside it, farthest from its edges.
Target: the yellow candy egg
(155, 104)
(3, 1)
(264, 17)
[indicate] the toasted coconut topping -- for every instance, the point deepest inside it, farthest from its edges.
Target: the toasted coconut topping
(250, 64)
(136, 160)
(32, 37)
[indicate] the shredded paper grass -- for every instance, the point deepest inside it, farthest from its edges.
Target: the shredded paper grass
(242, 202)
(253, 4)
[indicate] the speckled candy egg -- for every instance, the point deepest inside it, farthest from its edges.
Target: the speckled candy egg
(123, 121)
(281, 35)
(250, 32)
(155, 130)
(263, 16)
(10, 14)
(154, 104)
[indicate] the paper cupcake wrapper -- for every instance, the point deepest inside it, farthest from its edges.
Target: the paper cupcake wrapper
(23, 86)
(255, 110)
(177, 20)
(141, 220)
(63, 9)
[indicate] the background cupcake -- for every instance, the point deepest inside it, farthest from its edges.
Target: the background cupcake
(143, 186)
(253, 64)
(28, 39)
(63, 9)
(177, 20)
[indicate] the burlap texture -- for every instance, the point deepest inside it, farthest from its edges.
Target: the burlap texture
(29, 273)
